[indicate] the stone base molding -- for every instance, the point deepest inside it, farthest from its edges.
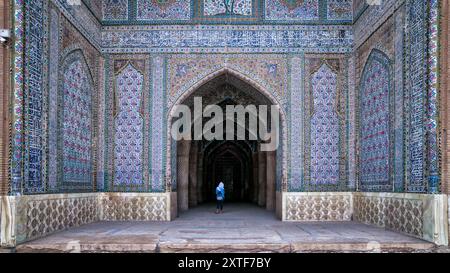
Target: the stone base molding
(134, 206)
(420, 215)
(423, 216)
(317, 206)
(25, 218)
(29, 217)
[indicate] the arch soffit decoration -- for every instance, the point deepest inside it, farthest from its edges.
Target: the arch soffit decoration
(182, 95)
(376, 51)
(383, 59)
(71, 53)
(256, 85)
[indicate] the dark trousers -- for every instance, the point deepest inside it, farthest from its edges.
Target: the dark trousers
(220, 204)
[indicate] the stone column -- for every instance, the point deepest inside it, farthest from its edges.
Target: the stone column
(193, 159)
(254, 190)
(200, 178)
(271, 177)
(262, 178)
(183, 150)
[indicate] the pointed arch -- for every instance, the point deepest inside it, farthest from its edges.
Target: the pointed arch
(75, 123)
(129, 126)
(324, 128)
(375, 124)
(282, 148)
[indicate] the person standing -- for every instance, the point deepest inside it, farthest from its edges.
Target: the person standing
(220, 196)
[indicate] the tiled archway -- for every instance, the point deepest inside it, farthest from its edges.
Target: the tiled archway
(225, 70)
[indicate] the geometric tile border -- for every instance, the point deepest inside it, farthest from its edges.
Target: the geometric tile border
(227, 39)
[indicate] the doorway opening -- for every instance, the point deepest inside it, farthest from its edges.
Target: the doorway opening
(248, 172)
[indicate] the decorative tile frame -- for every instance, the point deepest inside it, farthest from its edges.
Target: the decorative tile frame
(227, 39)
(399, 85)
(71, 39)
(199, 66)
(359, 6)
(95, 7)
(158, 181)
(71, 55)
(200, 16)
(282, 10)
(37, 167)
(18, 100)
(433, 157)
(128, 106)
(101, 146)
(169, 12)
(296, 123)
(340, 10)
(54, 55)
(35, 90)
(415, 99)
(114, 65)
(286, 34)
(351, 117)
(188, 90)
(336, 64)
(82, 19)
(120, 12)
(191, 12)
(378, 56)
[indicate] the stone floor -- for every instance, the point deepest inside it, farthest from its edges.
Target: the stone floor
(242, 228)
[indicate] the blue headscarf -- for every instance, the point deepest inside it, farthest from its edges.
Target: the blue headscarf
(220, 190)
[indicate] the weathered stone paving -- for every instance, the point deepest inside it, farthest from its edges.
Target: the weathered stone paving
(242, 228)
